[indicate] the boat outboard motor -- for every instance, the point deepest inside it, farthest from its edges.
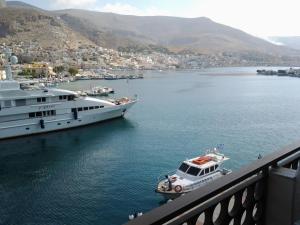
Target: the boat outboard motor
(42, 123)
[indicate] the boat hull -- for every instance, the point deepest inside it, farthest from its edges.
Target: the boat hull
(172, 194)
(62, 122)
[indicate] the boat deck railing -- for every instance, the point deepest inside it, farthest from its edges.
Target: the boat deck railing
(267, 192)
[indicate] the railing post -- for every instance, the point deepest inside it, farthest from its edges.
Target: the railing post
(283, 197)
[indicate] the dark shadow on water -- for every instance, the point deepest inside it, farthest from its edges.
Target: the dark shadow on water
(41, 142)
(33, 167)
(24, 158)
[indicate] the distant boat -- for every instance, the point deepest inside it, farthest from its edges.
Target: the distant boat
(82, 77)
(97, 77)
(100, 91)
(109, 90)
(110, 77)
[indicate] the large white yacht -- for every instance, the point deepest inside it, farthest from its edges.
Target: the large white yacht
(27, 111)
(193, 174)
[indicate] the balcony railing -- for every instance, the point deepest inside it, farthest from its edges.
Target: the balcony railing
(267, 192)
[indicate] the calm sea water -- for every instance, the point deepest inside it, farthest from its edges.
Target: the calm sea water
(101, 173)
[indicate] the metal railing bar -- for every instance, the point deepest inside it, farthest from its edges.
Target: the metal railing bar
(289, 159)
(215, 200)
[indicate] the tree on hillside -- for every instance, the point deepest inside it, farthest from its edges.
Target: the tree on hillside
(59, 69)
(73, 71)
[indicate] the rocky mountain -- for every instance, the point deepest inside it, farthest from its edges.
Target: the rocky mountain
(27, 24)
(18, 4)
(197, 34)
(73, 28)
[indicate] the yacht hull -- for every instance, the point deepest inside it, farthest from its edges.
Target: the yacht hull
(27, 127)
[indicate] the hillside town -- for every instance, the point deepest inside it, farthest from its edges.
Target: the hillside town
(38, 62)
(43, 61)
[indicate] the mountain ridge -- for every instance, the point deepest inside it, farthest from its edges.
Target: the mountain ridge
(72, 28)
(173, 32)
(25, 24)
(21, 4)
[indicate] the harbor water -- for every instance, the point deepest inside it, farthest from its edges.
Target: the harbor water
(99, 174)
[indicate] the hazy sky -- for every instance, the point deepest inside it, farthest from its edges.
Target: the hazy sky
(258, 17)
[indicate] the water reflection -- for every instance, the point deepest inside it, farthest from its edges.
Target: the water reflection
(38, 172)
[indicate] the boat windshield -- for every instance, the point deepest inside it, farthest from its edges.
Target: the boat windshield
(193, 171)
(183, 167)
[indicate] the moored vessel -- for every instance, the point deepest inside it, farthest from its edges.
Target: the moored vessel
(26, 111)
(193, 174)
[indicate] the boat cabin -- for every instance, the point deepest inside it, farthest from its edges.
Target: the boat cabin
(196, 170)
(203, 165)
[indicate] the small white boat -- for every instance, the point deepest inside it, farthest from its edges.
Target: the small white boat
(82, 77)
(110, 77)
(100, 91)
(193, 174)
(109, 90)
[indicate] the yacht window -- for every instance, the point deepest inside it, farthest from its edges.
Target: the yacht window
(216, 167)
(86, 108)
(193, 171)
(38, 114)
(31, 115)
(7, 103)
(64, 97)
(43, 99)
(212, 169)
(79, 109)
(97, 107)
(183, 167)
(71, 97)
(20, 102)
(44, 113)
(102, 106)
(206, 170)
(53, 112)
(91, 107)
(60, 97)
(201, 173)
(48, 113)
(73, 109)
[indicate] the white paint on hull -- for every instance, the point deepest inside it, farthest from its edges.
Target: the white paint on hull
(61, 122)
